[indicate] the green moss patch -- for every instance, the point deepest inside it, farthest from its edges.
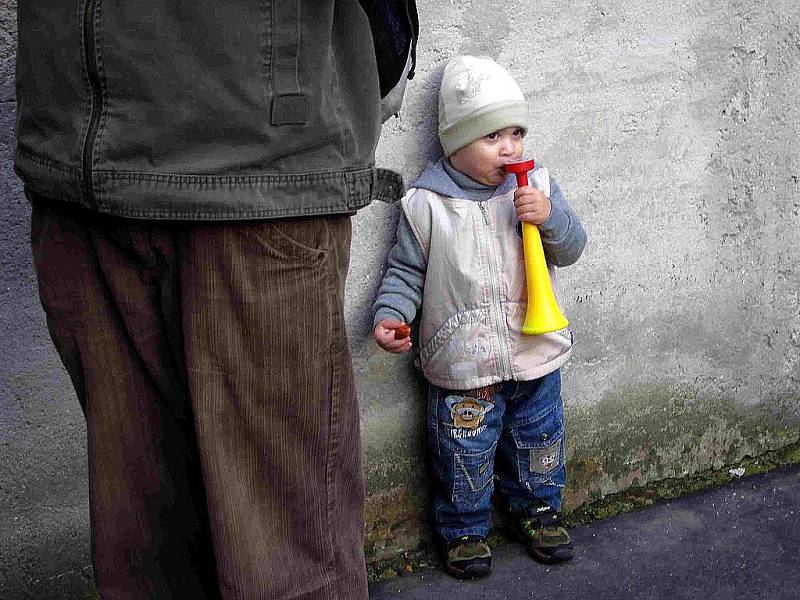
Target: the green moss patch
(639, 446)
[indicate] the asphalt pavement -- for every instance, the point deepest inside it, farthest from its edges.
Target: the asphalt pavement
(737, 542)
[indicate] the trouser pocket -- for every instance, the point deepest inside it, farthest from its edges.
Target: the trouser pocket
(539, 448)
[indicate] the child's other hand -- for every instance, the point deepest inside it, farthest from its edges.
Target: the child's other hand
(384, 336)
(532, 205)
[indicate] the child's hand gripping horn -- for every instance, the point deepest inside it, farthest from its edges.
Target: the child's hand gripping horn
(543, 314)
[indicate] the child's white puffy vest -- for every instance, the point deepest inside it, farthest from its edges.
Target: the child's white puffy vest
(474, 299)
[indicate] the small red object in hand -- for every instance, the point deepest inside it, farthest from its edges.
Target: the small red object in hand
(402, 332)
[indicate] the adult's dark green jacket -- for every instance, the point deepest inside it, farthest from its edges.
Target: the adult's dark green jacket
(208, 109)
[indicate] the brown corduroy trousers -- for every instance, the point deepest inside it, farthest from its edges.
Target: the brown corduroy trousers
(212, 366)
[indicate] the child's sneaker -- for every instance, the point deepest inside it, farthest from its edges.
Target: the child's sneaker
(468, 557)
(544, 538)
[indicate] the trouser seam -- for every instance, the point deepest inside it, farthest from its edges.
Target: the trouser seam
(335, 401)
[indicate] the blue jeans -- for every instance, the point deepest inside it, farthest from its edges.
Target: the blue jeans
(514, 430)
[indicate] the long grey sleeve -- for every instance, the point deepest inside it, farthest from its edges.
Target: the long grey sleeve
(400, 294)
(563, 237)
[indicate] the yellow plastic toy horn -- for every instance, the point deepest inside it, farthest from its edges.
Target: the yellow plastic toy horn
(543, 314)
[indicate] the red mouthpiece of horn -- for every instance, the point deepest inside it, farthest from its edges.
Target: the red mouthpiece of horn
(520, 169)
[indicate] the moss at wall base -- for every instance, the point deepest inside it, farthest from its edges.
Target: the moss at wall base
(638, 435)
(396, 522)
(636, 498)
(636, 447)
(421, 554)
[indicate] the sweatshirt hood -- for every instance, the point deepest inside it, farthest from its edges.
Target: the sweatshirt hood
(436, 179)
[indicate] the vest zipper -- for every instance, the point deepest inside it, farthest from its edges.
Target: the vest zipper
(96, 98)
(499, 318)
(484, 213)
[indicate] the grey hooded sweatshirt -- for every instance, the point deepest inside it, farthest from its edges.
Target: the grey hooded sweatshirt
(506, 354)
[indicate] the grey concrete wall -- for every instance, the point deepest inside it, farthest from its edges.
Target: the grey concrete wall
(43, 495)
(673, 129)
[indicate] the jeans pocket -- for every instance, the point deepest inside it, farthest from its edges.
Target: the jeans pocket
(472, 477)
(540, 448)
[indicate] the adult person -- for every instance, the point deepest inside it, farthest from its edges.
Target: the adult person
(192, 170)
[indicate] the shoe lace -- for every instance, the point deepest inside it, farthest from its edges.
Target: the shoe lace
(547, 519)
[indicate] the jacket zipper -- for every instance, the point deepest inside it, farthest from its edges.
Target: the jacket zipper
(97, 98)
(499, 319)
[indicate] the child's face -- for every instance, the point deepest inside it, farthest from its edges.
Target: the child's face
(484, 159)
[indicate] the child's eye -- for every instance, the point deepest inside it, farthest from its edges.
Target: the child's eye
(492, 136)
(517, 132)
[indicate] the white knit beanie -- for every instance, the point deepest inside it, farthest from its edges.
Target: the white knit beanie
(477, 97)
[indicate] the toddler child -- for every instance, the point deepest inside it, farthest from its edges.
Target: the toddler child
(494, 400)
